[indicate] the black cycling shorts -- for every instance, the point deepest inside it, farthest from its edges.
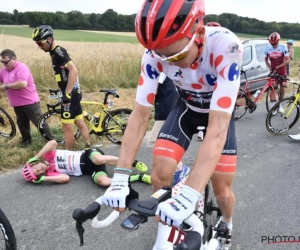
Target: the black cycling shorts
(88, 167)
(74, 111)
(175, 136)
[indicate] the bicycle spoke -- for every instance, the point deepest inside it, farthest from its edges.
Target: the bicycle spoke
(240, 106)
(7, 126)
(282, 117)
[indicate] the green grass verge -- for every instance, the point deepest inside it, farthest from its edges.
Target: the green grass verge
(70, 35)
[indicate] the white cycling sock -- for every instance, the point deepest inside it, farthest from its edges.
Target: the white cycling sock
(229, 225)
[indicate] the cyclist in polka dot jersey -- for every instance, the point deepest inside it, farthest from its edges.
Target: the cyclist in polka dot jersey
(204, 64)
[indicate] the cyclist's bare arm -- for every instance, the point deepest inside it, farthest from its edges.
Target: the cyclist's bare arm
(134, 134)
(72, 77)
(50, 145)
(210, 150)
(285, 62)
(267, 62)
(61, 178)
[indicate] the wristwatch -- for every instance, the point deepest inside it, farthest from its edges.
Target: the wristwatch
(6, 87)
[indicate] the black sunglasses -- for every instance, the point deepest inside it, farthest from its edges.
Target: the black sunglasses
(6, 62)
(289, 44)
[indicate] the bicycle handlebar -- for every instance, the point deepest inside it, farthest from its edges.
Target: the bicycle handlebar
(145, 208)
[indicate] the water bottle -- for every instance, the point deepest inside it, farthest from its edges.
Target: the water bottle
(256, 94)
(87, 116)
(96, 118)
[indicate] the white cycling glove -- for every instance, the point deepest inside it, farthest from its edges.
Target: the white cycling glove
(115, 196)
(178, 208)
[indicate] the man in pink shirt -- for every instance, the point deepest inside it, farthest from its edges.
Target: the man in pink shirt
(17, 81)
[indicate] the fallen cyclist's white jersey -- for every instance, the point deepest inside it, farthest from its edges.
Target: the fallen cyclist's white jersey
(210, 83)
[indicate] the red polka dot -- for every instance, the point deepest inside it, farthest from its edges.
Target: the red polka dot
(215, 87)
(194, 66)
(222, 72)
(141, 81)
(150, 98)
(224, 102)
(159, 67)
(211, 59)
(218, 60)
(196, 86)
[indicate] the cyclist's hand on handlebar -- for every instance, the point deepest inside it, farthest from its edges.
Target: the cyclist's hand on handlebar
(115, 196)
(178, 208)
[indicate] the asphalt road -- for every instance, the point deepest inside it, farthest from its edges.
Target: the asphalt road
(266, 187)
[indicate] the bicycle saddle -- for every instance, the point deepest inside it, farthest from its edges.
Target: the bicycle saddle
(54, 91)
(108, 90)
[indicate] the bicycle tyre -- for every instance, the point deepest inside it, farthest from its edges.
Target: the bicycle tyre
(5, 119)
(240, 105)
(274, 114)
(59, 132)
(212, 213)
(109, 118)
(7, 233)
(268, 94)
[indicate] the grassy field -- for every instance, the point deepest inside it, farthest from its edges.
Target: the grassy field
(104, 60)
(70, 35)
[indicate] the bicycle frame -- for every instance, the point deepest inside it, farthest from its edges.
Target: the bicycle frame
(105, 106)
(271, 83)
(297, 98)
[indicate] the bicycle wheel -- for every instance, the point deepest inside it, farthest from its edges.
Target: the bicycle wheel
(115, 123)
(7, 125)
(241, 107)
(212, 213)
(272, 96)
(7, 238)
(279, 122)
(52, 118)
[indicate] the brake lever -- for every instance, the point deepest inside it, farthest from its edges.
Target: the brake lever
(80, 230)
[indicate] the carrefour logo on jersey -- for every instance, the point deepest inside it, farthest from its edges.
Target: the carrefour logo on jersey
(234, 72)
(151, 72)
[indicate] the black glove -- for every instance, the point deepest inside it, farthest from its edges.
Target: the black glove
(66, 98)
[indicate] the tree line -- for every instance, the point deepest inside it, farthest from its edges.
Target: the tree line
(112, 21)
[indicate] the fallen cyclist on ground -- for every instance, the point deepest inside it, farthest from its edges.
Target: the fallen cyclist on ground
(54, 165)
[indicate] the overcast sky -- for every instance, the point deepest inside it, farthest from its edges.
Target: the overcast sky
(266, 10)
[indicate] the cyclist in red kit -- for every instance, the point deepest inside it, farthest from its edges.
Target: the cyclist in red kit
(276, 58)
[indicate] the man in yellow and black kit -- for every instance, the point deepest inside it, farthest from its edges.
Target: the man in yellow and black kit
(66, 76)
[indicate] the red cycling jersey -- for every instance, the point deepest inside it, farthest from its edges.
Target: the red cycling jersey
(277, 57)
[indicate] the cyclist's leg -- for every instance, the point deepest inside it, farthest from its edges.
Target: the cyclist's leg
(98, 157)
(181, 170)
(79, 122)
(222, 180)
(96, 171)
(171, 144)
(283, 86)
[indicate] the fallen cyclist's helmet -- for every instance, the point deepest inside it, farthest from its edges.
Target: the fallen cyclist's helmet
(162, 22)
(274, 38)
(28, 174)
(42, 32)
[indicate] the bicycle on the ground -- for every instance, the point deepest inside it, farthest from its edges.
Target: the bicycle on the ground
(7, 125)
(198, 232)
(285, 114)
(244, 100)
(111, 123)
(7, 238)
